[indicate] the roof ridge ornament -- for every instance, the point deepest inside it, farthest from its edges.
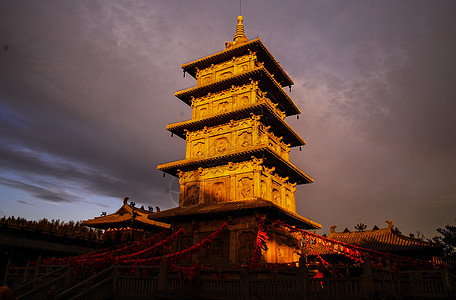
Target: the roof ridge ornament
(239, 36)
(390, 224)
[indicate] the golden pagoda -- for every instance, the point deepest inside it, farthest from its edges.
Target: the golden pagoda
(237, 164)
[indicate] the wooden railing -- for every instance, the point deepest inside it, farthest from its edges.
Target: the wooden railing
(24, 274)
(413, 283)
(117, 282)
(99, 286)
(273, 289)
(59, 279)
(330, 287)
(230, 287)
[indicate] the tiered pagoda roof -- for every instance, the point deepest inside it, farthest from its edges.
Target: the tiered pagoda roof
(267, 82)
(278, 125)
(254, 45)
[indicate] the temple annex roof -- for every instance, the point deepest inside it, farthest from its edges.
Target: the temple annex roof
(126, 216)
(384, 240)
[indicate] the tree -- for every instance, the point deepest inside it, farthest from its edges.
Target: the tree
(448, 239)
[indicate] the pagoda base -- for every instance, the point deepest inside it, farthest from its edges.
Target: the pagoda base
(236, 246)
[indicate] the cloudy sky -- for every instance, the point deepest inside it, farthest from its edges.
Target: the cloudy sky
(87, 88)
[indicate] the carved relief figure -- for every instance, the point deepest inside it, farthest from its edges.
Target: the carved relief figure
(245, 187)
(203, 112)
(221, 145)
(218, 191)
(206, 80)
(276, 196)
(263, 189)
(245, 139)
(222, 107)
(281, 253)
(288, 201)
(244, 101)
(225, 75)
(198, 149)
(192, 195)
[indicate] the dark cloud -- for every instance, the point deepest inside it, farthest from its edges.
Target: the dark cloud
(56, 196)
(24, 202)
(86, 91)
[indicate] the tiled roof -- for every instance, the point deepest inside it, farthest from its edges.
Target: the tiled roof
(255, 45)
(124, 216)
(279, 126)
(283, 167)
(267, 81)
(17, 241)
(238, 207)
(383, 240)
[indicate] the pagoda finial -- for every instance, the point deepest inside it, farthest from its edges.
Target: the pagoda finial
(239, 36)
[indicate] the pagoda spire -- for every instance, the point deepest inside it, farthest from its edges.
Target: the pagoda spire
(239, 36)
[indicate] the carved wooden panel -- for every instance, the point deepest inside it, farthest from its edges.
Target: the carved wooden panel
(218, 253)
(220, 145)
(246, 245)
(222, 107)
(202, 112)
(206, 79)
(245, 187)
(192, 194)
(243, 67)
(244, 101)
(245, 139)
(276, 197)
(198, 149)
(217, 190)
(224, 74)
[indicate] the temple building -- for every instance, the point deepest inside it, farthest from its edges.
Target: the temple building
(127, 224)
(388, 240)
(237, 167)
